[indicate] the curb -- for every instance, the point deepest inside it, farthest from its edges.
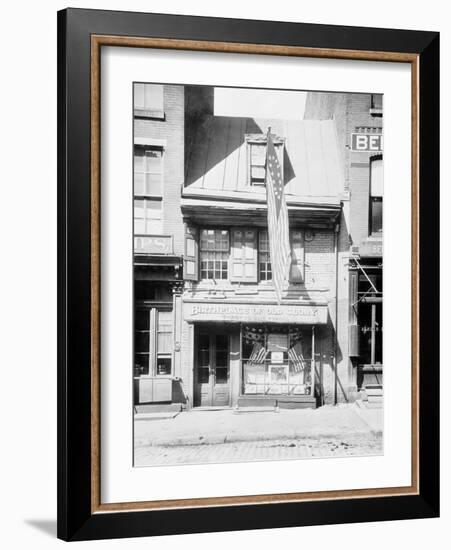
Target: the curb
(186, 441)
(375, 431)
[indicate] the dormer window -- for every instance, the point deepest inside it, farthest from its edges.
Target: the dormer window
(256, 149)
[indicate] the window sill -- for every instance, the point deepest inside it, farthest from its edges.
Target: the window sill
(147, 113)
(152, 376)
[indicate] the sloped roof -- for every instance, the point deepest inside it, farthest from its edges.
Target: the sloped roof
(217, 158)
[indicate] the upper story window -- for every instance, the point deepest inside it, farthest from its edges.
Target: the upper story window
(148, 182)
(257, 159)
(264, 260)
(148, 171)
(147, 216)
(376, 196)
(148, 178)
(376, 105)
(239, 255)
(148, 100)
(214, 254)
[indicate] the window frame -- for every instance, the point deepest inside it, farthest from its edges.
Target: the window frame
(376, 109)
(372, 199)
(145, 149)
(165, 354)
(147, 197)
(259, 253)
(301, 263)
(261, 139)
(286, 363)
(215, 251)
(152, 353)
(149, 111)
(196, 237)
(148, 219)
(242, 260)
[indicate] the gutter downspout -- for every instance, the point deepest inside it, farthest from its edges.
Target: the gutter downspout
(336, 232)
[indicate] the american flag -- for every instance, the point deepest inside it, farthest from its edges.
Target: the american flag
(258, 354)
(278, 231)
(296, 359)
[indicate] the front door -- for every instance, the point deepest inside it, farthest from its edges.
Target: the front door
(212, 373)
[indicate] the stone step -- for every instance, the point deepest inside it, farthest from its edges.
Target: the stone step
(262, 409)
(375, 404)
(158, 408)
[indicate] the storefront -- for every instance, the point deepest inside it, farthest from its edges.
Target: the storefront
(367, 328)
(239, 336)
(248, 354)
(157, 290)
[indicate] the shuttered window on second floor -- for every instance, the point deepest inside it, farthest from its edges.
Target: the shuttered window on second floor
(238, 255)
(214, 254)
(244, 255)
(264, 258)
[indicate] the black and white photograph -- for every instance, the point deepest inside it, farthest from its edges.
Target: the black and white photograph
(228, 276)
(258, 274)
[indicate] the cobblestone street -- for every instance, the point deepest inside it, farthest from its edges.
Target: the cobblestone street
(230, 436)
(243, 451)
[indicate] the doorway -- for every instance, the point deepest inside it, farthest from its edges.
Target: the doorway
(212, 369)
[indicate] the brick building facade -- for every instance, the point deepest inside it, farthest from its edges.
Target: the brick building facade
(359, 124)
(209, 331)
(159, 140)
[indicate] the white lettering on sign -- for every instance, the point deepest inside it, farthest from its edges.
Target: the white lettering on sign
(367, 142)
(153, 244)
(371, 249)
(256, 313)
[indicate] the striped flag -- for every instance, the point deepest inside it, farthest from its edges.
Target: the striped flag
(258, 354)
(296, 359)
(278, 231)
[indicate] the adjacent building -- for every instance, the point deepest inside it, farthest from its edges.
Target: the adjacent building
(358, 119)
(159, 136)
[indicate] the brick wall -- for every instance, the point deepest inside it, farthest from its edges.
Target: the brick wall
(350, 111)
(319, 261)
(172, 130)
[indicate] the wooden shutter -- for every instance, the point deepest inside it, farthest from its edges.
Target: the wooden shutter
(297, 256)
(244, 256)
(191, 259)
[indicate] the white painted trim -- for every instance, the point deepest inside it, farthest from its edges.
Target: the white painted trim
(150, 141)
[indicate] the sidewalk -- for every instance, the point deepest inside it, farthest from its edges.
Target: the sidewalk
(227, 426)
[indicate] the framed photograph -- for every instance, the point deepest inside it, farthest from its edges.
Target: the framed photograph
(248, 274)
